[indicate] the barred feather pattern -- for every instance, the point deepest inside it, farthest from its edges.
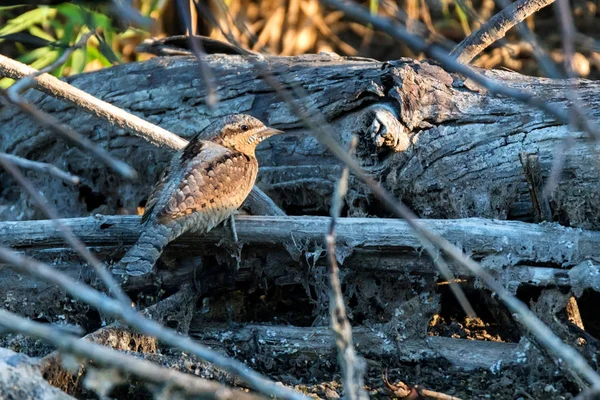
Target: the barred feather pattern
(199, 190)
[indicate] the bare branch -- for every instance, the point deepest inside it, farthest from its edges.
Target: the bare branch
(13, 95)
(113, 115)
(146, 326)
(111, 358)
(61, 90)
(528, 244)
(42, 167)
(105, 276)
(29, 81)
(48, 120)
(353, 366)
(496, 28)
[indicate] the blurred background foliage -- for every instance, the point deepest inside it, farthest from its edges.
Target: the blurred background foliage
(39, 34)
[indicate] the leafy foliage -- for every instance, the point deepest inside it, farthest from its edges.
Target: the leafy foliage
(41, 35)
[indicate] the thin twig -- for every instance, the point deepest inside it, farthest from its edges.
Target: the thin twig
(50, 212)
(563, 13)
(185, 9)
(114, 115)
(146, 326)
(63, 91)
(353, 366)
(434, 51)
(403, 391)
(28, 81)
(192, 385)
(495, 28)
(48, 120)
(42, 167)
(577, 108)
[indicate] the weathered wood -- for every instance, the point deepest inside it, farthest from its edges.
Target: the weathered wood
(21, 378)
(495, 243)
(278, 250)
(177, 308)
(262, 344)
(446, 148)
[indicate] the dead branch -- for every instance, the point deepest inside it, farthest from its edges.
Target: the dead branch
(48, 120)
(43, 167)
(373, 244)
(62, 90)
(353, 367)
(111, 358)
(495, 28)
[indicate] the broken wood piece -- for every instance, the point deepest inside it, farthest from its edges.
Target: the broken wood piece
(21, 378)
(178, 307)
(268, 344)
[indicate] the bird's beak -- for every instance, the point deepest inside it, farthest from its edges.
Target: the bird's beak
(268, 132)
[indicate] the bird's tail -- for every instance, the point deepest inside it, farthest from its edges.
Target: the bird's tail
(140, 259)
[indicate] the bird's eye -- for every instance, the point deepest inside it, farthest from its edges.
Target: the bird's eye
(244, 128)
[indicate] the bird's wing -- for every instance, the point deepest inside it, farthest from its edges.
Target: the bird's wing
(215, 181)
(156, 192)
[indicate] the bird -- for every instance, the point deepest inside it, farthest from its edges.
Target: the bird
(203, 185)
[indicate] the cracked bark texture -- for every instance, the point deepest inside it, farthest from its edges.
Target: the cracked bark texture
(446, 148)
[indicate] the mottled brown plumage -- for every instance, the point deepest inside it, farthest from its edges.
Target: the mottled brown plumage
(202, 186)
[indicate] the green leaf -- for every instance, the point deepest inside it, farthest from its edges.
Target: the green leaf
(27, 20)
(46, 59)
(5, 83)
(107, 51)
(82, 16)
(78, 61)
(37, 31)
(33, 55)
(94, 54)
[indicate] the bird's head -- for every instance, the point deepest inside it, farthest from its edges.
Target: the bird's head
(241, 132)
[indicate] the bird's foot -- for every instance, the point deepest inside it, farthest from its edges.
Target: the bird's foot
(233, 230)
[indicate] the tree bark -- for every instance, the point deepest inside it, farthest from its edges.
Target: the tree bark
(445, 147)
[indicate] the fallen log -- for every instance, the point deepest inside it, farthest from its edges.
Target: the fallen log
(266, 345)
(278, 250)
(388, 243)
(447, 148)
